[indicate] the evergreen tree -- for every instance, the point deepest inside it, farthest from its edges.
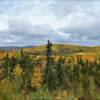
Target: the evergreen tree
(50, 71)
(27, 65)
(63, 81)
(6, 64)
(22, 53)
(13, 62)
(48, 60)
(26, 62)
(85, 81)
(97, 75)
(52, 78)
(49, 53)
(76, 73)
(60, 73)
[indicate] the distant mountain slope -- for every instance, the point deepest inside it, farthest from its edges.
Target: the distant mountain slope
(13, 47)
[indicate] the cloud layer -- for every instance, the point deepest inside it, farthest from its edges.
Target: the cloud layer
(33, 22)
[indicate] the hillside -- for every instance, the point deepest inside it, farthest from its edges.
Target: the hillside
(59, 49)
(22, 72)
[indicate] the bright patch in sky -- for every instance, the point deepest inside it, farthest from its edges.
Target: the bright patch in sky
(33, 22)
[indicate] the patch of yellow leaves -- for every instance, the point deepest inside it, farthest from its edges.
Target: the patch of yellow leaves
(6, 86)
(17, 71)
(37, 78)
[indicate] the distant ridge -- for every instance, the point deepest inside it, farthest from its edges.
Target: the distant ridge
(58, 49)
(14, 47)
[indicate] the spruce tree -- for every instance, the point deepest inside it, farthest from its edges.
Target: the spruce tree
(26, 64)
(60, 73)
(48, 60)
(6, 64)
(13, 62)
(97, 75)
(63, 81)
(50, 71)
(76, 73)
(52, 78)
(85, 81)
(49, 53)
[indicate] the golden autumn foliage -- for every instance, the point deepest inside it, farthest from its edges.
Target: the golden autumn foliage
(17, 71)
(8, 91)
(37, 78)
(6, 86)
(20, 87)
(76, 98)
(84, 56)
(2, 72)
(56, 58)
(1, 54)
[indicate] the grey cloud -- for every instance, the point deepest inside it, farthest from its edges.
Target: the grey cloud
(92, 33)
(83, 18)
(21, 32)
(62, 8)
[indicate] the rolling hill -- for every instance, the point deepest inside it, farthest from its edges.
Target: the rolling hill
(58, 49)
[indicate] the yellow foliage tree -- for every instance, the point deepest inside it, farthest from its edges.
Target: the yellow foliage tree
(6, 87)
(17, 71)
(2, 73)
(37, 78)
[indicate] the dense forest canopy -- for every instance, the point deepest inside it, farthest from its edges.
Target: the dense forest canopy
(51, 76)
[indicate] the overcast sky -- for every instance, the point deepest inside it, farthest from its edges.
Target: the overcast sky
(33, 22)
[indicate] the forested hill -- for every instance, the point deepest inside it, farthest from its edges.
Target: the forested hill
(58, 49)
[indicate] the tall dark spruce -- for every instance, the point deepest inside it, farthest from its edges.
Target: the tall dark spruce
(50, 71)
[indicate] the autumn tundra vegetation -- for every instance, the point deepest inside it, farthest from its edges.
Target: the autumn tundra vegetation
(30, 75)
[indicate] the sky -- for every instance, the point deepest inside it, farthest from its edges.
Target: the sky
(33, 22)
